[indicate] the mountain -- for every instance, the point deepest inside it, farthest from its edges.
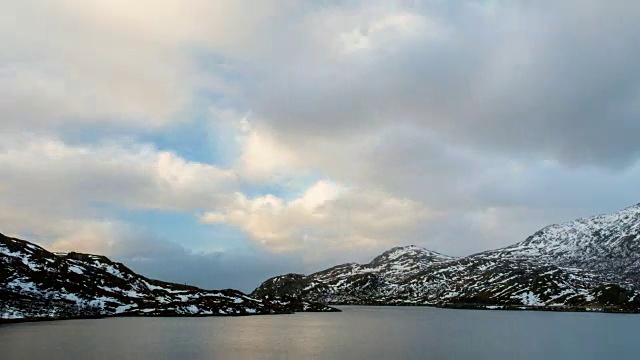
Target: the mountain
(35, 283)
(355, 283)
(606, 244)
(587, 264)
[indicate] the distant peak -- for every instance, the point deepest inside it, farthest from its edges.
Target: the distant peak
(401, 249)
(406, 247)
(410, 250)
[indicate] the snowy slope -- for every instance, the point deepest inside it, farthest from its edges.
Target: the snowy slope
(589, 263)
(352, 283)
(37, 283)
(608, 244)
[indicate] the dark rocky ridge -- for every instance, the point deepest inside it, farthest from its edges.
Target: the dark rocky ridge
(36, 284)
(588, 264)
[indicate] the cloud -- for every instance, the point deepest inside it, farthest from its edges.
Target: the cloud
(326, 218)
(489, 108)
(69, 196)
(153, 255)
(113, 238)
(74, 65)
(507, 79)
(78, 63)
(93, 235)
(263, 159)
(46, 173)
(456, 126)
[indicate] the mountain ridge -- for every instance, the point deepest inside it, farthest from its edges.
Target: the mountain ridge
(592, 263)
(38, 284)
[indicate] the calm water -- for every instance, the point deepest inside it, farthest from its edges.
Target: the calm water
(356, 333)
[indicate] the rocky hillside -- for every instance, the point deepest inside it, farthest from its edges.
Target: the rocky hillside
(355, 283)
(587, 264)
(35, 283)
(606, 244)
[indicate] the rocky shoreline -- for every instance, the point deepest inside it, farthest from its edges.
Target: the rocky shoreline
(511, 307)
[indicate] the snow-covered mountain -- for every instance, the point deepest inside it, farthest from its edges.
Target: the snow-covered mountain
(607, 244)
(590, 264)
(35, 283)
(354, 283)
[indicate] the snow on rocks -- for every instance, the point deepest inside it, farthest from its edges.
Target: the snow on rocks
(589, 263)
(35, 283)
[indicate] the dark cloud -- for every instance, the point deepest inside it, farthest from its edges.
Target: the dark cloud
(557, 81)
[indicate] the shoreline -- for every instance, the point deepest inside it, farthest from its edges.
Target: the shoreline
(99, 317)
(503, 307)
(582, 309)
(47, 319)
(439, 306)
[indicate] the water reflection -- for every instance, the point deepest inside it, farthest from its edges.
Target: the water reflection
(357, 333)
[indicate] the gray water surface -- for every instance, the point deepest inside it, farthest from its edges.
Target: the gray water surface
(356, 333)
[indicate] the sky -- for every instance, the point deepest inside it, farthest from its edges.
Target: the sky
(219, 143)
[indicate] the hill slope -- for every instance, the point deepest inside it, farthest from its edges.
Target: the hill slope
(35, 283)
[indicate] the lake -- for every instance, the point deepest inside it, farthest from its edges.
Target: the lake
(359, 332)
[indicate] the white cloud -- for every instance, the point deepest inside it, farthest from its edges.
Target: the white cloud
(264, 159)
(63, 193)
(132, 65)
(84, 233)
(327, 218)
(47, 173)
(69, 64)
